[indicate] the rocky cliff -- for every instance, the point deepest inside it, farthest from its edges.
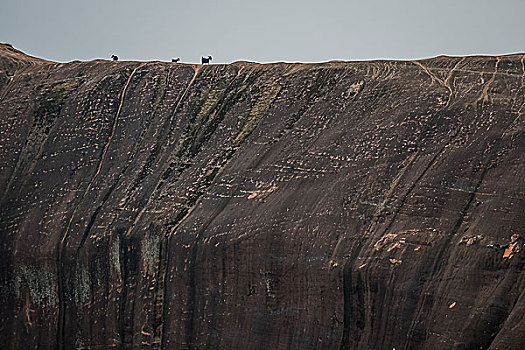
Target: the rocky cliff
(343, 205)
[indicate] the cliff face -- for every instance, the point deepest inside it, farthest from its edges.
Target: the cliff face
(370, 205)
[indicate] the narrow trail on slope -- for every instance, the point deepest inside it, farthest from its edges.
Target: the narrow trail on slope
(429, 73)
(447, 80)
(477, 71)
(445, 83)
(487, 86)
(485, 91)
(63, 240)
(522, 87)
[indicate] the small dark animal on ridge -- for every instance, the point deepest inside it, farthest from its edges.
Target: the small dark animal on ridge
(175, 60)
(114, 57)
(206, 59)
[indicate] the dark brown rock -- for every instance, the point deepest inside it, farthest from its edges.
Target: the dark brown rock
(361, 205)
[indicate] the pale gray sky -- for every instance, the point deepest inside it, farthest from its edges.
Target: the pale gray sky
(262, 31)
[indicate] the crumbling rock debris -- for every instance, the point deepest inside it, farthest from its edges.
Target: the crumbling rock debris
(342, 205)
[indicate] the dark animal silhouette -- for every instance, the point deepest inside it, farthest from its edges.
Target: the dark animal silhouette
(206, 59)
(175, 59)
(114, 57)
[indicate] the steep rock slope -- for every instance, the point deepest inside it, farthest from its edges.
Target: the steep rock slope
(361, 205)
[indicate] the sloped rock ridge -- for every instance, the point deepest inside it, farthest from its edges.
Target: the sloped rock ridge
(342, 205)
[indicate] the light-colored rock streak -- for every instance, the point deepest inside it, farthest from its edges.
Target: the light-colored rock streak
(430, 74)
(447, 80)
(485, 91)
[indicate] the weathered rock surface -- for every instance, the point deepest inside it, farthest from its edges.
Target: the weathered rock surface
(361, 205)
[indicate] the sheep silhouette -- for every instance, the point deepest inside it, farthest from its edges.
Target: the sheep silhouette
(206, 59)
(114, 57)
(175, 60)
